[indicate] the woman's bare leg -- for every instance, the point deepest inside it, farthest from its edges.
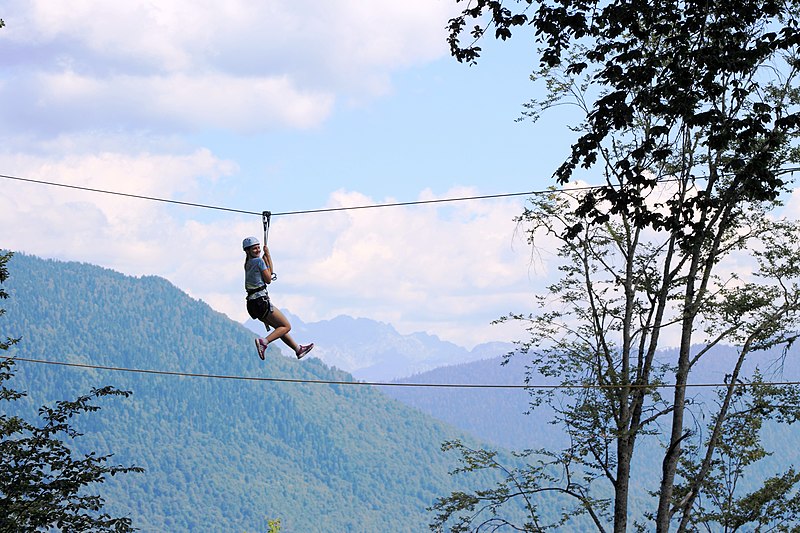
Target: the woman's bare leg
(281, 328)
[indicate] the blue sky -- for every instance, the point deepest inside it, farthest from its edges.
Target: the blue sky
(280, 105)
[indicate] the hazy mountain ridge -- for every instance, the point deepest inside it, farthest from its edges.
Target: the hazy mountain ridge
(376, 351)
(504, 416)
(221, 455)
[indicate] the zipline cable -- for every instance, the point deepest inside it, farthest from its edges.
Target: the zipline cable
(389, 383)
(139, 196)
(335, 209)
(307, 211)
(435, 201)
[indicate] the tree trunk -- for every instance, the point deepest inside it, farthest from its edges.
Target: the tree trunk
(673, 453)
(624, 455)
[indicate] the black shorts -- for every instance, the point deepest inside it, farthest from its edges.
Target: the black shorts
(259, 308)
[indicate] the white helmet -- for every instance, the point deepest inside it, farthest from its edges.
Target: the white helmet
(249, 241)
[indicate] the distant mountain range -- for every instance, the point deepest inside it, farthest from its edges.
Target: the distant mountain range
(220, 454)
(375, 351)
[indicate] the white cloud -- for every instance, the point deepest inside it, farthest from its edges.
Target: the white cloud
(186, 102)
(119, 232)
(240, 65)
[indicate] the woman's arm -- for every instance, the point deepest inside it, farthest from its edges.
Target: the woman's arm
(266, 275)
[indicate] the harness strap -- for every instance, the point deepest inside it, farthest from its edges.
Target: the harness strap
(265, 218)
(251, 292)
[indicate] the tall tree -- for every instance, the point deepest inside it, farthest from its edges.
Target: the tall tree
(691, 116)
(43, 482)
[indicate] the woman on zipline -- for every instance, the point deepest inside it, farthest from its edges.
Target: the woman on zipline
(258, 272)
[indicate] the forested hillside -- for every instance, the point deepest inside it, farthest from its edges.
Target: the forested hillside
(219, 454)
